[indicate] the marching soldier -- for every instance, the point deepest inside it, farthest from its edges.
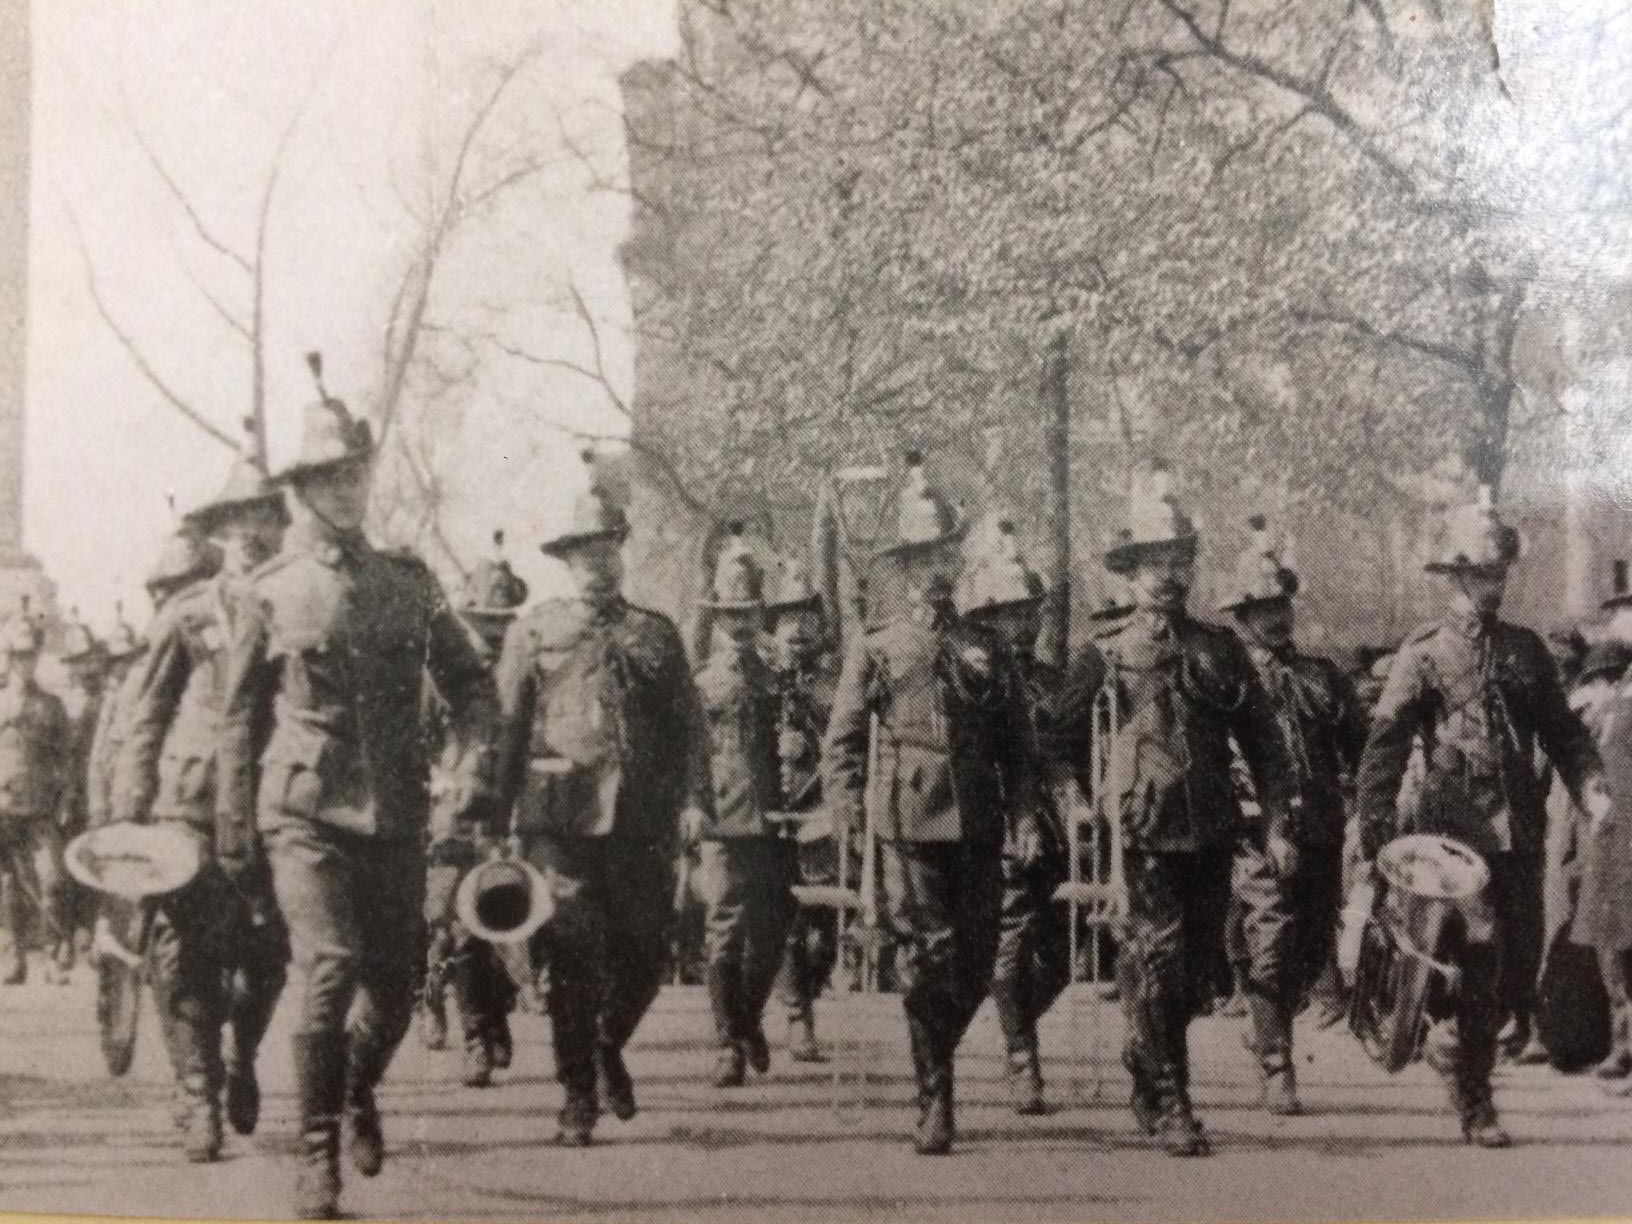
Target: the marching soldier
(219, 949)
(482, 990)
(1033, 961)
(1289, 922)
(1478, 696)
(602, 743)
(122, 650)
(34, 763)
(805, 700)
(1185, 690)
(954, 747)
(323, 760)
(747, 866)
(86, 665)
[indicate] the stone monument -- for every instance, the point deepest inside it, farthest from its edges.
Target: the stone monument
(20, 574)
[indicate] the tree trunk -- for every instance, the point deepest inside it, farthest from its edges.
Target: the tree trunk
(1057, 417)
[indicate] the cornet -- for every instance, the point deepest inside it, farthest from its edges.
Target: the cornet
(1098, 902)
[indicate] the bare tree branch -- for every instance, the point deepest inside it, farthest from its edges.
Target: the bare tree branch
(1461, 358)
(132, 349)
(205, 234)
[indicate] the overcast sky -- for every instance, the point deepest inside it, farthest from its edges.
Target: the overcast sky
(211, 85)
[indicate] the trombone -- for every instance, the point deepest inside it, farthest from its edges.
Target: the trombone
(858, 940)
(1097, 902)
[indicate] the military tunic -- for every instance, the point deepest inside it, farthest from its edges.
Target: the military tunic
(1476, 702)
(957, 775)
(1188, 700)
(34, 765)
(219, 947)
(321, 754)
(748, 866)
(602, 742)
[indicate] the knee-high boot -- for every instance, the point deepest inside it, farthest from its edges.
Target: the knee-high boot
(320, 1070)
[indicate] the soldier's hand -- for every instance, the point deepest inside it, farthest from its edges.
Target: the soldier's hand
(1028, 842)
(1283, 855)
(691, 824)
(1596, 799)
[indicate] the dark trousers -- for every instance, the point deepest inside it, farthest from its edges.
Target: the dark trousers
(483, 990)
(1165, 965)
(31, 855)
(1518, 884)
(354, 908)
(807, 962)
(747, 883)
(186, 966)
(941, 902)
(1033, 962)
(1478, 939)
(607, 944)
(257, 963)
(1288, 926)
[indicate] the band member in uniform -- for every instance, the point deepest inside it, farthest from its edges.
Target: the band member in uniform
(602, 744)
(85, 662)
(1478, 695)
(1289, 922)
(1033, 961)
(747, 866)
(805, 700)
(122, 650)
(322, 759)
(1185, 690)
(219, 949)
(958, 778)
(33, 776)
(482, 990)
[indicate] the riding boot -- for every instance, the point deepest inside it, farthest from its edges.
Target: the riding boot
(433, 1014)
(201, 1119)
(723, 1002)
(802, 1044)
(1026, 1079)
(469, 999)
(1272, 1043)
(617, 1085)
(320, 1068)
(1474, 1058)
(502, 1043)
(1143, 1099)
(1237, 1004)
(253, 999)
(1618, 1063)
(935, 1124)
(365, 1138)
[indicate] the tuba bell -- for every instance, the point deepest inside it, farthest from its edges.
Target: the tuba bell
(1422, 880)
(504, 900)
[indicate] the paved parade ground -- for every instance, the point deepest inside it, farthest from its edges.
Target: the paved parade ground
(71, 1139)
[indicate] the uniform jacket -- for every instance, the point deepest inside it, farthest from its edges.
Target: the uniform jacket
(107, 741)
(323, 692)
(957, 752)
(1603, 911)
(1324, 728)
(166, 765)
(1475, 704)
(601, 730)
(805, 703)
(34, 752)
(74, 812)
(1188, 699)
(739, 698)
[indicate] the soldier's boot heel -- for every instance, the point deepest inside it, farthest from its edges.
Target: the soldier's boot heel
(729, 1066)
(433, 1023)
(365, 1139)
(502, 1043)
(1026, 1082)
(18, 973)
(802, 1045)
(1280, 1091)
(1182, 1135)
(617, 1084)
(1143, 1099)
(243, 1097)
(757, 1051)
(1618, 1063)
(936, 1126)
(575, 1124)
(1482, 1128)
(201, 1129)
(478, 1069)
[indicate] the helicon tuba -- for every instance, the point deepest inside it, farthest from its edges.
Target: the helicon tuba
(504, 900)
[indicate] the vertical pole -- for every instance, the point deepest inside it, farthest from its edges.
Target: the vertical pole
(1057, 416)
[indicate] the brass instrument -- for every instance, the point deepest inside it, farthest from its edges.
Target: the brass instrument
(1098, 901)
(504, 900)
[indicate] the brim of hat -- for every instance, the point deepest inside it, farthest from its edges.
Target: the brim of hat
(211, 513)
(491, 613)
(897, 551)
(1490, 568)
(1242, 602)
(1616, 601)
(300, 471)
(1004, 605)
(811, 602)
(732, 605)
(94, 653)
(564, 544)
(1123, 557)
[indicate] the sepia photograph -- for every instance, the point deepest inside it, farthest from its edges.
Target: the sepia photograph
(816, 610)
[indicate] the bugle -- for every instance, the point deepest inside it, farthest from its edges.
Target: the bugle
(1096, 901)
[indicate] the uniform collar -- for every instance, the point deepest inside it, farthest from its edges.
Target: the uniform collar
(609, 612)
(1471, 628)
(325, 542)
